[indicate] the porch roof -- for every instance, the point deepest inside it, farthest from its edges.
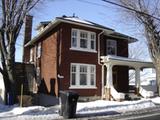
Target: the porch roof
(124, 61)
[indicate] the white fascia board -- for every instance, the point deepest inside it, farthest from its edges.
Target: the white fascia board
(116, 60)
(43, 32)
(86, 25)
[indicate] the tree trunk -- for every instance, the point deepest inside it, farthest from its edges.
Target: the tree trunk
(10, 85)
(8, 64)
(11, 73)
(158, 76)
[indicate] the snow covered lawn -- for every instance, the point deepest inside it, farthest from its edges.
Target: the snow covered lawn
(99, 107)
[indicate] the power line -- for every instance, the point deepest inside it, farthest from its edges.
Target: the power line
(128, 8)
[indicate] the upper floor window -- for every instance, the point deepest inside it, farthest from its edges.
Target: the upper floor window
(111, 47)
(83, 40)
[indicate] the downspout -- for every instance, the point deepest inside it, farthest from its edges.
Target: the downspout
(102, 77)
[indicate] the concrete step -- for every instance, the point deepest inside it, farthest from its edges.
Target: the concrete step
(132, 96)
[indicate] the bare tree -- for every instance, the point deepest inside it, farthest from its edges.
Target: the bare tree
(147, 13)
(137, 51)
(12, 13)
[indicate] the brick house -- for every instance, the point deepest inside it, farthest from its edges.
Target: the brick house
(74, 54)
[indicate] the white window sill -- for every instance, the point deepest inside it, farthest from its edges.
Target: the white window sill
(82, 87)
(83, 50)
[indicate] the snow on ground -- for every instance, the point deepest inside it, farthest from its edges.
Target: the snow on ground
(99, 107)
(28, 113)
(112, 106)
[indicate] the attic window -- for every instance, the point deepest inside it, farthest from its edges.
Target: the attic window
(83, 40)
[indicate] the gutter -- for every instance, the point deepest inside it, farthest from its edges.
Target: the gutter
(99, 47)
(102, 76)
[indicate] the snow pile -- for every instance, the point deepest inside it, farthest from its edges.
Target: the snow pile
(28, 113)
(156, 100)
(112, 106)
(99, 107)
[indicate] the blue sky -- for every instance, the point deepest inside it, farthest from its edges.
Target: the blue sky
(93, 10)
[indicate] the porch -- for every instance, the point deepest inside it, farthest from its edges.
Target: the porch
(109, 89)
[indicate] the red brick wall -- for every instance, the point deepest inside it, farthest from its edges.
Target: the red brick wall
(49, 62)
(121, 71)
(58, 43)
(27, 37)
(71, 56)
(122, 46)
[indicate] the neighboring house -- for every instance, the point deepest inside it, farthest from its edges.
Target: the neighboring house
(74, 54)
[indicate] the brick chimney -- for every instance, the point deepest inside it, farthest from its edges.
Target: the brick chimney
(27, 37)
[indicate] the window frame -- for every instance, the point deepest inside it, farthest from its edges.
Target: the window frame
(107, 46)
(31, 58)
(39, 50)
(78, 39)
(77, 76)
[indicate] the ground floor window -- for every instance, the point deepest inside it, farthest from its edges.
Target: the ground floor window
(83, 75)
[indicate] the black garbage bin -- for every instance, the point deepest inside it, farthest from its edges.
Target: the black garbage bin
(68, 104)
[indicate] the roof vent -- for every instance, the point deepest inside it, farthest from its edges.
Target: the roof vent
(74, 15)
(64, 16)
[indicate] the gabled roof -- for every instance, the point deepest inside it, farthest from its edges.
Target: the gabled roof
(43, 23)
(85, 22)
(76, 21)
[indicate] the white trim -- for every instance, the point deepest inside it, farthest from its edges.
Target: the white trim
(39, 49)
(82, 50)
(81, 87)
(31, 59)
(77, 72)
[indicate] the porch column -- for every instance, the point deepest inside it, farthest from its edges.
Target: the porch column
(103, 87)
(109, 81)
(137, 78)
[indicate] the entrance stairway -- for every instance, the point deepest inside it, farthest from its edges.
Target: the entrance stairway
(132, 96)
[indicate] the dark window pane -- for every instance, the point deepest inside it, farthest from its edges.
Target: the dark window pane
(92, 45)
(92, 79)
(83, 43)
(73, 79)
(83, 79)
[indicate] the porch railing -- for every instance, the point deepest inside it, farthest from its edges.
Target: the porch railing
(145, 92)
(117, 95)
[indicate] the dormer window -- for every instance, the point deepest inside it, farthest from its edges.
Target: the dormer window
(111, 47)
(83, 40)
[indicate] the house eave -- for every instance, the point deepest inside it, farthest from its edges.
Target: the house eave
(109, 32)
(56, 22)
(124, 61)
(48, 28)
(128, 38)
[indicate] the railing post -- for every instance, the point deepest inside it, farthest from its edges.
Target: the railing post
(137, 78)
(109, 81)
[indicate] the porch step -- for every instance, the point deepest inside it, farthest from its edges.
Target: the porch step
(132, 96)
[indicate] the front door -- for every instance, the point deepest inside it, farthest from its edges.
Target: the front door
(115, 82)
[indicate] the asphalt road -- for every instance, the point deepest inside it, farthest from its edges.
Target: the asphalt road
(153, 117)
(145, 114)
(153, 114)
